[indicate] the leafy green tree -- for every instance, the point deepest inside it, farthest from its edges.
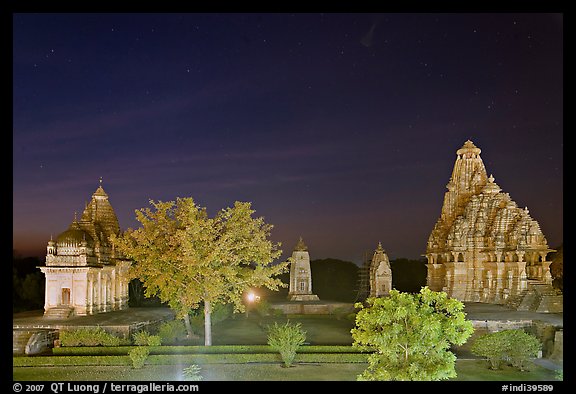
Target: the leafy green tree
(410, 335)
(188, 259)
(286, 339)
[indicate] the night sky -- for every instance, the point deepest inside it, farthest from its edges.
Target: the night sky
(340, 128)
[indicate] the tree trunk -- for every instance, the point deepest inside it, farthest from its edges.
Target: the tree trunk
(190, 333)
(207, 323)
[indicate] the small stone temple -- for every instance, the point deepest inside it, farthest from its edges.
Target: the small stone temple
(380, 273)
(84, 275)
(484, 248)
(301, 275)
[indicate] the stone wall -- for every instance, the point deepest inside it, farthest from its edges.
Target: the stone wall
(312, 308)
(558, 350)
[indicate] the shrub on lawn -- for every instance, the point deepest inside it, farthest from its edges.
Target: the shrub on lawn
(286, 339)
(559, 374)
(523, 346)
(154, 340)
(95, 336)
(514, 346)
(492, 347)
(143, 338)
(192, 373)
(138, 355)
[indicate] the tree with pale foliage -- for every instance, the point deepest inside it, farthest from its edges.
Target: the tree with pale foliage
(189, 259)
(409, 335)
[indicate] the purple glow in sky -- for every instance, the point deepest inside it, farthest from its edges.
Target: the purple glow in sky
(340, 128)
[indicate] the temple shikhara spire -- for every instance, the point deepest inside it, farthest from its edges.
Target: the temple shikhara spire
(301, 275)
(83, 273)
(484, 248)
(380, 273)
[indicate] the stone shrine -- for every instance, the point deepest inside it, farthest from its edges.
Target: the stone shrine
(484, 248)
(301, 275)
(380, 273)
(84, 275)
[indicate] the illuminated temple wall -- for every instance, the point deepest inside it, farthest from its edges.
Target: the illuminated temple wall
(301, 275)
(483, 248)
(380, 273)
(83, 272)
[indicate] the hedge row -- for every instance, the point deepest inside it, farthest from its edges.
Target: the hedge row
(170, 359)
(242, 358)
(222, 349)
(51, 361)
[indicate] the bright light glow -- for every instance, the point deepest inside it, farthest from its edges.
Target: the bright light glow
(251, 297)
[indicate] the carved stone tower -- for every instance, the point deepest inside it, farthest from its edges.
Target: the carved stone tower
(483, 248)
(84, 275)
(380, 274)
(300, 275)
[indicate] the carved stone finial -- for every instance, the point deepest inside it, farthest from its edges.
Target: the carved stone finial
(301, 246)
(468, 148)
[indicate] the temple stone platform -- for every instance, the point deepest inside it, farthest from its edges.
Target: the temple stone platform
(318, 307)
(495, 315)
(31, 328)
(486, 318)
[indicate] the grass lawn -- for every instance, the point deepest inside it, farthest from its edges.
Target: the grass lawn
(477, 370)
(251, 330)
(467, 370)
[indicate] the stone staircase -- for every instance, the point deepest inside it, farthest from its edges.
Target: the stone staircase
(32, 341)
(513, 302)
(538, 297)
(58, 313)
(20, 339)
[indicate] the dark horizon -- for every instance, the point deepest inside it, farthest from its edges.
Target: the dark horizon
(340, 128)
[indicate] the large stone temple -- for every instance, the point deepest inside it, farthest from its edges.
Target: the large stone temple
(84, 275)
(484, 248)
(301, 275)
(380, 273)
